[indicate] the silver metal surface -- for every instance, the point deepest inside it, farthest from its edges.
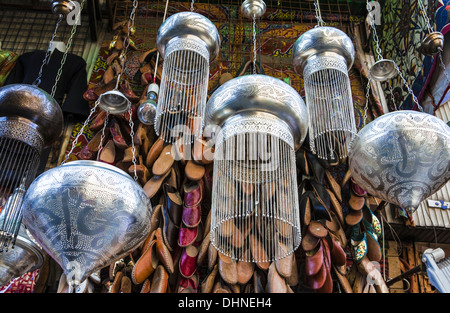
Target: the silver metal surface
(85, 215)
(63, 7)
(324, 40)
(26, 256)
(382, 70)
(432, 44)
(114, 102)
(253, 8)
(402, 157)
(29, 112)
(258, 122)
(323, 56)
(189, 25)
(256, 94)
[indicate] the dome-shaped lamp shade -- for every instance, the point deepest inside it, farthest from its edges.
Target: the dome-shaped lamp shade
(85, 215)
(402, 157)
(188, 42)
(261, 122)
(30, 120)
(323, 55)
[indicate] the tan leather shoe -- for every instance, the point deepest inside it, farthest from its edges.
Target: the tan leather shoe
(159, 280)
(163, 253)
(275, 282)
(145, 286)
(154, 152)
(228, 270)
(245, 270)
(194, 171)
(258, 253)
(164, 162)
(145, 265)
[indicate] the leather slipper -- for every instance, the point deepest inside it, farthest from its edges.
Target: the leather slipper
(187, 236)
(317, 229)
(335, 187)
(228, 271)
(154, 152)
(153, 185)
(194, 171)
(336, 206)
(159, 280)
(284, 265)
(145, 265)
(309, 242)
(353, 217)
(314, 261)
(163, 252)
(188, 261)
(356, 202)
(164, 162)
(275, 282)
(258, 253)
(212, 256)
(245, 270)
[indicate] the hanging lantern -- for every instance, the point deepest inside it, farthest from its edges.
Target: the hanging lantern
(27, 256)
(258, 122)
(85, 215)
(402, 157)
(63, 7)
(323, 55)
(188, 42)
(30, 120)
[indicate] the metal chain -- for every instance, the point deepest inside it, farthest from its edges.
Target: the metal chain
(68, 45)
(319, 19)
(47, 54)
(392, 96)
(133, 148)
(366, 108)
(375, 35)
(192, 5)
(425, 15)
(407, 87)
(254, 44)
(100, 144)
(75, 141)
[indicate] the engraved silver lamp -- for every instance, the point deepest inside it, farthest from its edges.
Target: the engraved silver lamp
(257, 122)
(402, 157)
(323, 56)
(188, 42)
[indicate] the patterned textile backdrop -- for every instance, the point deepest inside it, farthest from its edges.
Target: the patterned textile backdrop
(403, 29)
(277, 33)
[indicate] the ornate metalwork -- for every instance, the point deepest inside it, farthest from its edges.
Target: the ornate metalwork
(402, 157)
(86, 214)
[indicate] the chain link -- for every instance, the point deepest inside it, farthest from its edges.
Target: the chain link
(374, 32)
(133, 147)
(254, 44)
(366, 108)
(47, 54)
(319, 19)
(75, 141)
(392, 96)
(68, 45)
(425, 16)
(100, 144)
(410, 91)
(192, 5)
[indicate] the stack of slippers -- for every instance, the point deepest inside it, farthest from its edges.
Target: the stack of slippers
(323, 253)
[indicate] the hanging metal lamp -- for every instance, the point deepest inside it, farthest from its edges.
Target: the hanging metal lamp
(26, 256)
(324, 55)
(402, 157)
(87, 214)
(30, 120)
(188, 42)
(258, 123)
